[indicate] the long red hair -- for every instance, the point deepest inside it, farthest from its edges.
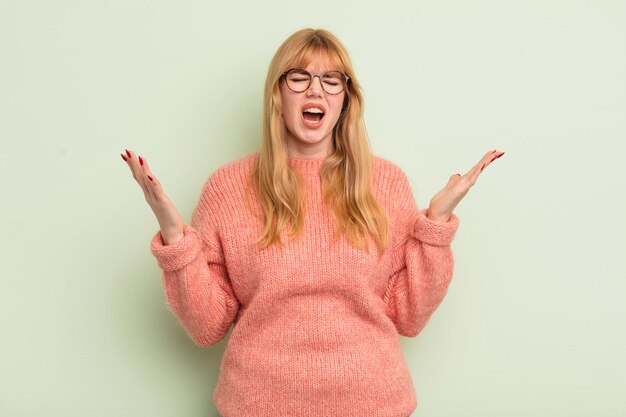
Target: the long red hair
(346, 173)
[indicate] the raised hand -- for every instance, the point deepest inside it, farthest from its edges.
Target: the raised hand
(167, 215)
(444, 202)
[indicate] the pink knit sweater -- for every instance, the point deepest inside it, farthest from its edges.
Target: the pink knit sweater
(315, 326)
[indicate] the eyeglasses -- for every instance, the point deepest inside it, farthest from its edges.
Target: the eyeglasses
(298, 80)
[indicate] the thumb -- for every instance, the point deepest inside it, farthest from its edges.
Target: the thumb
(454, 178)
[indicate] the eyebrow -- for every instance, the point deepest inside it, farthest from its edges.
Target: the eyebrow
(330, 70)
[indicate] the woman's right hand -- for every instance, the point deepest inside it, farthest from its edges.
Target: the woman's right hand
(166, 213)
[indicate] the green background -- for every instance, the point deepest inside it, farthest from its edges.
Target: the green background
(533, 323)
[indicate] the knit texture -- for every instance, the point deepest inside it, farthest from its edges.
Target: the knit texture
(316, 324)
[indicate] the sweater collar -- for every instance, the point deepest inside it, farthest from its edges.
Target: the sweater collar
(307, 164)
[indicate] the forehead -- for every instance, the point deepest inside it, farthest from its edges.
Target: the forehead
(318, 61)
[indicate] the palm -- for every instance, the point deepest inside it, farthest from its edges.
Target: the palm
(445, 201)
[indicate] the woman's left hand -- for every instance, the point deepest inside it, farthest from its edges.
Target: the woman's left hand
(444, 202)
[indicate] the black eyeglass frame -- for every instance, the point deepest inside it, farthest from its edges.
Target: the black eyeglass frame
(319, 75)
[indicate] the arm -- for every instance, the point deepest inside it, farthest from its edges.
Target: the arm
(195, 279)
(422, 264)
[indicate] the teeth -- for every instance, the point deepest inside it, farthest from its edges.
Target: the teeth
(313, 110)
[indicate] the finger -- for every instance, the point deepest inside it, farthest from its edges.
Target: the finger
(489, 154)
(130, 161)
(494, 155)
(471, 175)
(136, 169)
(157, 190)
(481, 164)
(454, 178)
(153, 184)
(478, 169)
(148, 177)
(488, 157)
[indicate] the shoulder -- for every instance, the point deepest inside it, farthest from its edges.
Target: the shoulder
(385, 167)
(232, 175)
(236, 168)
(227, 187)
(393, 188)
(390, 177)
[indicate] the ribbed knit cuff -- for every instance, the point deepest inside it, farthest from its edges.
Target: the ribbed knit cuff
(178, 255)
(433, 232)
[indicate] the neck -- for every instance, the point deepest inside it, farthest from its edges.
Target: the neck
(319, 151)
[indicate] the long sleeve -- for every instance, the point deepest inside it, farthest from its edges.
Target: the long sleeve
(422, 263)
(312, 335)
(195, 278)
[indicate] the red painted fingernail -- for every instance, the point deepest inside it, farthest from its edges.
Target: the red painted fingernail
(127, 153)
(499, 155)
(140, 161)
(150, 177)
(123, 157)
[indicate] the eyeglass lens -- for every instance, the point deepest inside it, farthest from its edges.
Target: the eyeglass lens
(299, 80)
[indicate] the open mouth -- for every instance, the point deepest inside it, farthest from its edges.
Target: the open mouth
(312, 118)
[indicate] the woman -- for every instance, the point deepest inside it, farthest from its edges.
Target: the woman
(312, 247)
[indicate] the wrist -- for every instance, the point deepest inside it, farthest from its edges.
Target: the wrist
(172, 236)
(437, 218)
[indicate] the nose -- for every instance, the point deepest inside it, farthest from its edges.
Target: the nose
(316, 85)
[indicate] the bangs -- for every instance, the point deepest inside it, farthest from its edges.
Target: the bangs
(323, 53)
